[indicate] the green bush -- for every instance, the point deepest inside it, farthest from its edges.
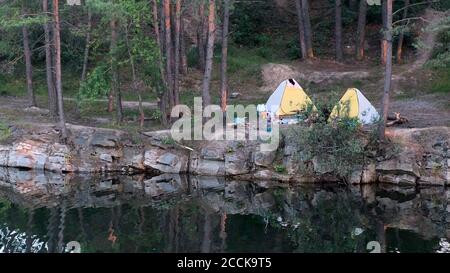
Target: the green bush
(5, 132)
(95, 86)
(338, 143)
(280, 168)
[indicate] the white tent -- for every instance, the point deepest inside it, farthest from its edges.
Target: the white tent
(288, 99)
(354, 105)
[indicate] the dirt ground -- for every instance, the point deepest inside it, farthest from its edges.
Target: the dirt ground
(422, 108)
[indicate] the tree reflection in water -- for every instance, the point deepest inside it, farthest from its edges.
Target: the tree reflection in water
(171, 213)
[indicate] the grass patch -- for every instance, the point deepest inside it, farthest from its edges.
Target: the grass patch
(245, 61)
(441, 82)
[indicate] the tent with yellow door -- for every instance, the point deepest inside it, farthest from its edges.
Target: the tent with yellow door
(354, 105)
(288, 99)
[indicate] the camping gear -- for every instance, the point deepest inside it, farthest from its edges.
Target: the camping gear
(288, 99)
(261, 111)
(354, 105)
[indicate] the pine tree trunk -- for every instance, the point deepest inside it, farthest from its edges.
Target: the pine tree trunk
(52, 103)
(209, 54)
(201, 36)
(162, 95)
(338, 31)
(401, 37)
(135, 80)
(224, 64)
(29, 67)
(308, 30)
(168, 52)
(388, 70)
(361, 31)
(384, 29)
(115, 86)
(177, 57)
(301, 28)
(58, 82)
(184, 61)
(87, 46)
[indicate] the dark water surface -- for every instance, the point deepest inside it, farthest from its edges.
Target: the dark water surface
(43, 212)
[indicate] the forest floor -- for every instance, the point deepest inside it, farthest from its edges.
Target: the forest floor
(414, 95)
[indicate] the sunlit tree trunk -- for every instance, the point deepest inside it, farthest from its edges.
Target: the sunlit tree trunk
(361, 30)
(338, 30)
(224, 62)
(209, 53)
(401, 36)
(58, 81)
(388, 70)
(52, 103)
(301, 28)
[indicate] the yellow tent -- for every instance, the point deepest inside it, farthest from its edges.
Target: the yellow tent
(288, 99)
(354, 105)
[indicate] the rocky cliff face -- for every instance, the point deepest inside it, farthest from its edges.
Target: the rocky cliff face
(416, 157)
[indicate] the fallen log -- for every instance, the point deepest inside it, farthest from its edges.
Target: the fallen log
(398, 119)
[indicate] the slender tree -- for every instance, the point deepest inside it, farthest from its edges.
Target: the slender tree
(201, 35)
(361, 30)
(224, 65)
(401, 36)
(177, 57)
(135, 87)
(338, 30)
(388, 70)
(52, 102)
(115, 85)
(28, 64)
(168, 52)
(209, 53)
(301, 28)
(163, 97)
(58, 81)
(184, 61)
(308, 30)
(87, 45)
(383, 29)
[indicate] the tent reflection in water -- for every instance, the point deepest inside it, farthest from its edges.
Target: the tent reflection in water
(354, 105)
(288, 99)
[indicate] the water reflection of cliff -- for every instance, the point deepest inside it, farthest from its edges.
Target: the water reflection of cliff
(171, 213)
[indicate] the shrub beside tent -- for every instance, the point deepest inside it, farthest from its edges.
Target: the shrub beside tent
(354, 105)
